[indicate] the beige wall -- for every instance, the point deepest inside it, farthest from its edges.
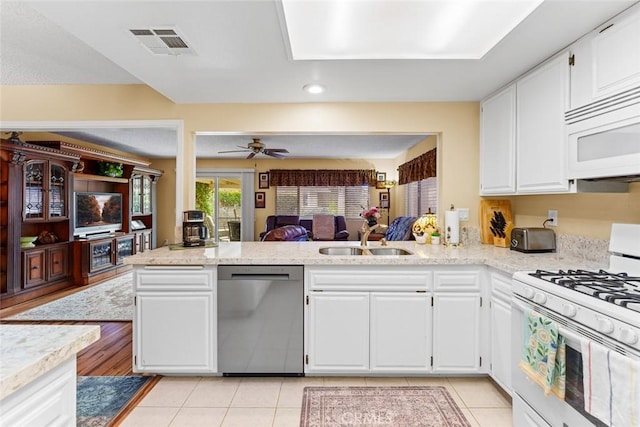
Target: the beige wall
(588, 215)
(457, 124)
(166, 200)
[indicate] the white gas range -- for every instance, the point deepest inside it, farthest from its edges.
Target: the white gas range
(588, 306)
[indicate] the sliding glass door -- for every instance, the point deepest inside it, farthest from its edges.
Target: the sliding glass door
(226, 198)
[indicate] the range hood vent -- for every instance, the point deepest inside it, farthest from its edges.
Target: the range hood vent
(162, 41)
(618, 184)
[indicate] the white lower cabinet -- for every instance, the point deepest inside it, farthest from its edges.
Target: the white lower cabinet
(49, 400)
(456, 333)
(361, 332)
(500, 314)
(373, 320)
(394, 320)
(338, 332)
(174, 327)
(457, 321)
(400, 332)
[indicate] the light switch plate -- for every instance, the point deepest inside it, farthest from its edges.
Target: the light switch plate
(463, 214)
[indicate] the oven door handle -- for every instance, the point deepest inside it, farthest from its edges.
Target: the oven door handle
(567, 333)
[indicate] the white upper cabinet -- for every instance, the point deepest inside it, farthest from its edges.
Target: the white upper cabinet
(607, 60)
(523, 138)
(542, 99)
(497, 143)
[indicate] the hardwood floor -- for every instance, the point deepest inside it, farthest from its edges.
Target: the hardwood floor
(111, 355)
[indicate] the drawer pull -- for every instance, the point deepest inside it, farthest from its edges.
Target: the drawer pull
(35, 267)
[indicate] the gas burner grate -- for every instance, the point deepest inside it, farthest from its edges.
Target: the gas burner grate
(616, 288)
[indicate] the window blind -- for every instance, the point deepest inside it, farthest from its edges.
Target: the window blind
(307, 201)
(420, 196)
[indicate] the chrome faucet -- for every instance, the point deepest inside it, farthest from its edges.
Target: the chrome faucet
(366, 231)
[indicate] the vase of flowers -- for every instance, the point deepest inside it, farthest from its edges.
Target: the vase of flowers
(371, 215)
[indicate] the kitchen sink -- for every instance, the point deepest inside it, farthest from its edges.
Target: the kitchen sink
(358, 250)
(342, 250)
(389, 251)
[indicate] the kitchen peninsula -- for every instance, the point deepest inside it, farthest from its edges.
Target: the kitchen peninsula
(308, 253)
(425, 313)
(38, 372)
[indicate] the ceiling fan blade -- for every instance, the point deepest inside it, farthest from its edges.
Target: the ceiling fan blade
(251, 155)
(234, 151)
(276, 150)
(272, 154)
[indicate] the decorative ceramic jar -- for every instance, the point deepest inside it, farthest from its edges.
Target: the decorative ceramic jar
(421, 239)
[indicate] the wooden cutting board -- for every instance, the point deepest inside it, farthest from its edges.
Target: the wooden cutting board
(487, 209)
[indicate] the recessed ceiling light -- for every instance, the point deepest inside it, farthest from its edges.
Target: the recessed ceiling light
(314, 88)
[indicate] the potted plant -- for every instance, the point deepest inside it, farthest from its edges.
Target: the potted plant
(114, 170)
(371, 215)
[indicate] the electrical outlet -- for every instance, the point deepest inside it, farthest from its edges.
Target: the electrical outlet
(553, 217)
(463, 214)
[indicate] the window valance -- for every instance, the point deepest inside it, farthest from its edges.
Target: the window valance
(322, 177)
(422, 167)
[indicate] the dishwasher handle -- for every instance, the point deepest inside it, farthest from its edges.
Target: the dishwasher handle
(249, 276)
(280, 273)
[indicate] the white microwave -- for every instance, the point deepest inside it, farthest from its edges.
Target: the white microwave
(605, 145)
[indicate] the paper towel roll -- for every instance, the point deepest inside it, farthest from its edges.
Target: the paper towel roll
(452, 227)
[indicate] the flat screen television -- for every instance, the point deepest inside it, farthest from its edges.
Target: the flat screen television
(97, 213)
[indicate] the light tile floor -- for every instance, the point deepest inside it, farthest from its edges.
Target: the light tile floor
(277, 402)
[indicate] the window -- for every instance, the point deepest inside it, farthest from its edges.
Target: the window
(307, 201)
(420, 196)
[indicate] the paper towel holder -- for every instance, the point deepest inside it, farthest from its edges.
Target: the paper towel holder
(447, 237)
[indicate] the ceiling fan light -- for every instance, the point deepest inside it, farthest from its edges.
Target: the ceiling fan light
(314, 88)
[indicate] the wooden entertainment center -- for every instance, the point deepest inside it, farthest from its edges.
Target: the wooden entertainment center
(38, 181)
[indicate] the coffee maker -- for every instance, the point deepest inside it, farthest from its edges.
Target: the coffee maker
(194, 232)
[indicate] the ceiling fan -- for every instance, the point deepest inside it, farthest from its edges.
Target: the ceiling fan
(256, 147)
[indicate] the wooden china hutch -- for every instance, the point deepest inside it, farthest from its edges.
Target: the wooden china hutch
(38, 181)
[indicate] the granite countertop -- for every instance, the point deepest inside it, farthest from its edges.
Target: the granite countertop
(306, 253)
(29, 351)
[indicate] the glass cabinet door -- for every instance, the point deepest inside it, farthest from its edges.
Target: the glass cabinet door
(34, 180)
(141, 195)
(57, 193)
(45, 191)
(124, 247)
(146, 195)
(136, 193)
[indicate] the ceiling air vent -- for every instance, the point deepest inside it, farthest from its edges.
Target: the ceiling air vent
(163, 41)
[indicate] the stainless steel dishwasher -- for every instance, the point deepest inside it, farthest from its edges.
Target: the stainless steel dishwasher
(260, 320)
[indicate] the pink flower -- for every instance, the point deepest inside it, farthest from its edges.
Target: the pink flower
(370, 212)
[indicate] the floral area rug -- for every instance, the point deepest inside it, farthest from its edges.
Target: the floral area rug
(100, 399)
(108, 301)
(425, 406)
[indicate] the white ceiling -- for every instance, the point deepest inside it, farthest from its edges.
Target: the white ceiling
(241, 57)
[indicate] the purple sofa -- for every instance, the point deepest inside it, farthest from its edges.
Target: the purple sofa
(275, 221)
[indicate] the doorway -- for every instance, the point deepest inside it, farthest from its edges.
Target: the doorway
(222, 196)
